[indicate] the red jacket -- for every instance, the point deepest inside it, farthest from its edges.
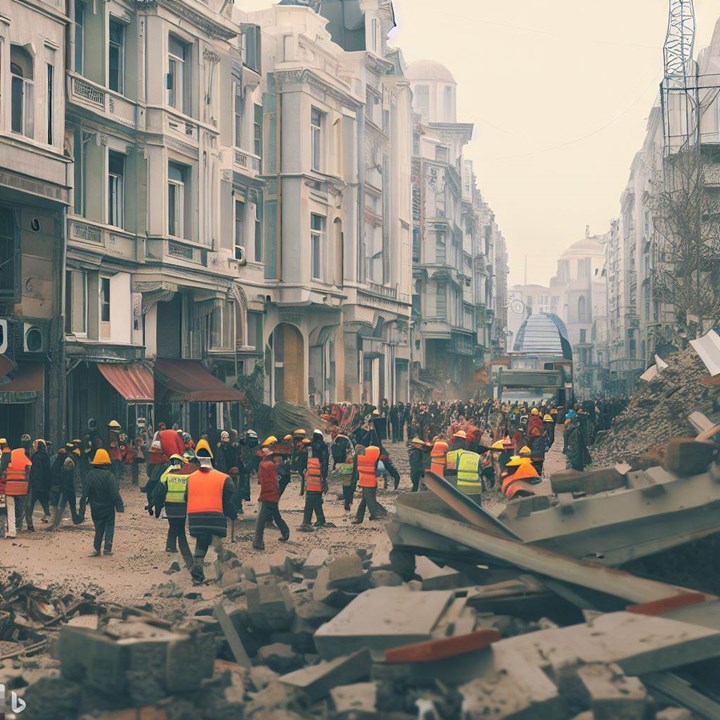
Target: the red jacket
(267, 480)
(171, 443)
(535, 426)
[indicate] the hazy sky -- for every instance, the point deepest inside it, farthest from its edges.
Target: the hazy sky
(559, 91)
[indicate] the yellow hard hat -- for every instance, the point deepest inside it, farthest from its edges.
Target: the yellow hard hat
(535, 411)
(288, 437)
(417, 441)
(114, 424)
(460, 434)
(548, 418)
(525, 451)
(300, 432)
(202, 449)
(514, 461)
(497, 445)
(101, 457)
(271, 440)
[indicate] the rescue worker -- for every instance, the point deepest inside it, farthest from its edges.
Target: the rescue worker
(227, 460)
(313, 495)
(438, 457)
(100, 489)
(209, 504)
(367, 470)
(350, 482)
(458, 445)
(171, 494)
(17, 478)
(269, 499)
(575, 449)
(39, 485)
(469, 478)
(70, 473)
(248, 447)
(320, 451)
(519, 483)
(416, 455)
(114, 448)
(549, 424)
(5, 453)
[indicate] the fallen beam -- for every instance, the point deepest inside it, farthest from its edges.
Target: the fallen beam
(592, 575)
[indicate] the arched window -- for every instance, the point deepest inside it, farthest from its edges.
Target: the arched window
(582, 309)
(22, 91)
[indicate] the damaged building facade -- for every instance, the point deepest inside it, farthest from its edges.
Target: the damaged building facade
(201, 203)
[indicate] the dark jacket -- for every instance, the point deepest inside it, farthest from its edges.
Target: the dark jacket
(227, 457)
(320, 451)
(40, 472)
(101, 491)
(417, 462)
(575, 449)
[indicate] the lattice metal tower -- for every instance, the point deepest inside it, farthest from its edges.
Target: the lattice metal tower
(679, 90)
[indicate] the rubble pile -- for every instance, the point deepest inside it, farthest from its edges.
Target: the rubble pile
(342, 637)
(659, 411)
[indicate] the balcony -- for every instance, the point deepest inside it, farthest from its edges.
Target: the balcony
(246, 163)
(176, 251)
(103, 239)
(91, 96)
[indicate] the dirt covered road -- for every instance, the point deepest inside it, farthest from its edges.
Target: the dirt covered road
(139, 560)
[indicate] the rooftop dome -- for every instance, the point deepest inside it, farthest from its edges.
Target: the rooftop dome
(543, 334)
(429, 70)
(586, 246)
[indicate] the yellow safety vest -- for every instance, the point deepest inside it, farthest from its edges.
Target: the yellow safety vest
(176, 486)
(469, 471)
(452, 460)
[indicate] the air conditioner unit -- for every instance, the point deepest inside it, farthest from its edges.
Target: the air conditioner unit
(3, 336)
(240, 255)
(34, 338)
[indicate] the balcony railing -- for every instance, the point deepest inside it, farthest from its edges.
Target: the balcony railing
(247, 161)
(82, 91)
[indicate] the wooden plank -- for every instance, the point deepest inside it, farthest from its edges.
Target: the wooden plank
(592, 575)
(234, 641)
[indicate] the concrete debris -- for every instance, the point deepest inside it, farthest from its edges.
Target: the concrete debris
(355, 701)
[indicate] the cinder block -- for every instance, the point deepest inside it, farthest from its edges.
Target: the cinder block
(687, 457)
(347, 574)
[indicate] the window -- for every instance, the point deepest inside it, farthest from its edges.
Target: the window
(223, 326)
(582, 309)
(177, 180)
(79, 35)
(317, 228)
(238, 115)
(251, 47)
(76, 302)
(440, 247)
(116, 187)
(374, 35)
(22, 91)
(448, 104)
(116, 57)
(583, 336)
(9, 254)
(239, 229)
(255, 330)
(178, 78)
(104, 299)
(257, 130)
(316, 125)
(422, 100)
(50, 102)
(258, 228)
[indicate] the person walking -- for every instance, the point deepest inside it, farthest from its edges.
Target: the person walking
(269, 499)
(314, 488)
(416, 456)
(69, 473)
(209, 505)
(17, 479)
(39, 485)
(367, 469)
(171, 494)
(101, 492)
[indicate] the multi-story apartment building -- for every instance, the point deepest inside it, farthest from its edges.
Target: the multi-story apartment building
(35, 179)
(157, 234)
(337, 208)
(455, 240)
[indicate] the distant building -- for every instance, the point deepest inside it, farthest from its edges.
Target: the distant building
(524, 300)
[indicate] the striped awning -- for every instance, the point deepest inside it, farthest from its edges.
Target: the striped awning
(133, 381)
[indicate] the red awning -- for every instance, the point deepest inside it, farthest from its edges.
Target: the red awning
(134, 382)
(23, 385)
(190, 381)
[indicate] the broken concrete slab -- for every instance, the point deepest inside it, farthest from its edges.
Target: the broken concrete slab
(314, 561)
(317, 680)
(314, 613)
(355, 700)
(591, 481)
(323, 593)
(687, 457)
(384, 578)
(280, 657)
(270, 606)
(610, 694)
(347, 574)
(639, 644)
(382, 618)
(435, 577)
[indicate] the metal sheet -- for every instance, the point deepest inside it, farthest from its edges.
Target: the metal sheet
(708, 348)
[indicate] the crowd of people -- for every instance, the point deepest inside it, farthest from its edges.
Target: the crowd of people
(200, 486)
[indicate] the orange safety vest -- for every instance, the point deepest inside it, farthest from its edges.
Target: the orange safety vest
(367, 467)
(438, 458)
(16, 484)
(313, 475)
(205, 491)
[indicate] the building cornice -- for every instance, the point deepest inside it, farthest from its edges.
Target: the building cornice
(316, 81)
(221, 28)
